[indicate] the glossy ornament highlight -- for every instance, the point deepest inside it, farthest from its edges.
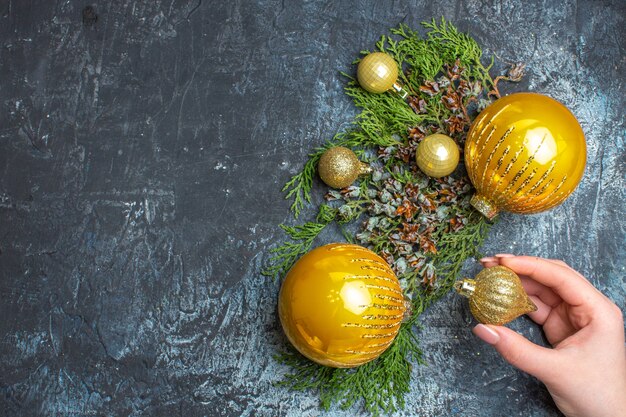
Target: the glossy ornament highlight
(339, 167)
(341, 305)
(378, 72)
(437, 155)
(496, 296)
(525, 153)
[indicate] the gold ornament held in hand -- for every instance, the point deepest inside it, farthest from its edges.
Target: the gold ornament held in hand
(378, 72)
(437, 155)
(525, 153)
(496, 296)
(339, 167)
(341, 305)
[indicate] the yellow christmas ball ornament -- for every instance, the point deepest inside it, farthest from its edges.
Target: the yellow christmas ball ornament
(339, 167)
(341, 305)
(496, 296)
(525, 153)
(437, 155)
(378, 72)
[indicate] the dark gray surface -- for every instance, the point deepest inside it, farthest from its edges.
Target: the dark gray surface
(141, 160)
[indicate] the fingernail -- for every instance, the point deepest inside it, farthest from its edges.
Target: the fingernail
(504, 255)
(486, 334)
(488, 259)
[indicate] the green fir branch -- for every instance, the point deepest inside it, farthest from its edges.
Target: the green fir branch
(453, 44)
(459, 247)
(300, 185)
(378, 386)
(301, 239)
(383, 124)
(288, 253)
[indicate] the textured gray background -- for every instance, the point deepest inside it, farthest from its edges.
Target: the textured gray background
(141, 161)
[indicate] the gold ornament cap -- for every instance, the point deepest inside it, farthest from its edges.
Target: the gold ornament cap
(378, 72)
(496, 296)
(437, 155)
(484, 206)
(339, 167)
(341, 305)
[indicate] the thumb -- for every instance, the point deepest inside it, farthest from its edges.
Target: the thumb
(518, 351)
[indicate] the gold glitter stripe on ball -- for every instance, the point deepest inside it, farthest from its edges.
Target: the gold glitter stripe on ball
(378, 335)
(542, 179)
(372, 261)
(377, 268)
(367, 352)
(493, 151)
(506, 195)
(370, 277)
(389, 298)
(479, 153)
(371, 326)
(347, 246)
(385, 306)
(383, 317)
(501, 160)
(554, 196)
(385, 288)
(524, 184)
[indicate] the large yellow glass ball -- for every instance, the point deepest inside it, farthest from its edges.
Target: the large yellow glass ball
(377, 72)
(437, 155)
(525, 153)
(341, 305)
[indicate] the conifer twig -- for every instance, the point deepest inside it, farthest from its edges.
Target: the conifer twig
(424, 227)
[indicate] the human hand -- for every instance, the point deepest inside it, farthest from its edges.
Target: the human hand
(585, 372)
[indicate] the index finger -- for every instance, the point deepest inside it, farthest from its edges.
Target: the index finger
(572, 287)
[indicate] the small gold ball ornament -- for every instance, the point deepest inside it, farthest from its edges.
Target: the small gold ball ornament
(341, 305)
(437, 155)
(496, 296)
(339, 167)
(378, 72)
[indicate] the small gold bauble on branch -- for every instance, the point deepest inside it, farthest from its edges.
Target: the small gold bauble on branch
(496, 296)
(378, 72)
(525, 153)
(437, 155)
(341, 305)
(339, 167)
